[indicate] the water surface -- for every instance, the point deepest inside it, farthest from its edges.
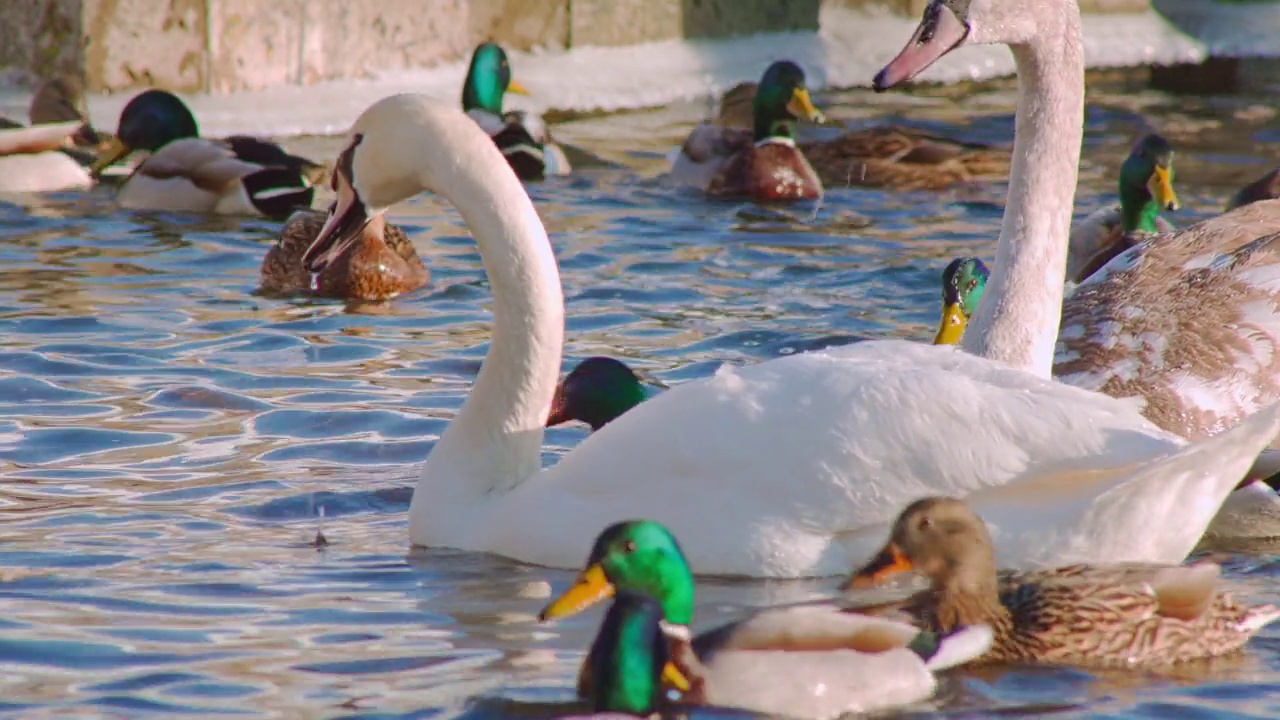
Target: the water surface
(171, 443)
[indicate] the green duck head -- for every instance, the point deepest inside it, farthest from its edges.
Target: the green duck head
(1146, 184)
(149, 121)
(630, 657)
(781, 99)
(636, 556)
(596, 391)
(963, 282)
(488, 80)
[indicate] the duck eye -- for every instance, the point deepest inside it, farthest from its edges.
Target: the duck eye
(926, 522)
(973, 284)
(629, 546)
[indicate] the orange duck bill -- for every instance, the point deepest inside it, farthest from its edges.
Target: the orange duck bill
(888, 562)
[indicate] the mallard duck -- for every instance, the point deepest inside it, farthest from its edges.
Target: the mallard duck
(1266, 187)
(238, 176)
(1146, 188)
(522, 138)
(761, 164)
(811, 660)
(1068, 616)
(379, 264)
(963, 281)
(597, 391)
(47, 156)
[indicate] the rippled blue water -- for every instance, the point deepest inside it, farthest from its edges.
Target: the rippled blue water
(170, 443)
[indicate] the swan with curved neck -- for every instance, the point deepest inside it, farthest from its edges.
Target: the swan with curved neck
(1017, 320)
(786, 468)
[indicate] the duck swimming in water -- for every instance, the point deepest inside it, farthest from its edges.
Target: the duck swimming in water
(522, 138)
(239, 175)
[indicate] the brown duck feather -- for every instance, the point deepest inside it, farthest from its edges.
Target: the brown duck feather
(1124, 616)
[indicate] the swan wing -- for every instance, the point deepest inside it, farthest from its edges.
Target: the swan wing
(794, 467)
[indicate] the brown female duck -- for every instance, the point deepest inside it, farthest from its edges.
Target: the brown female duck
(1079, 615)
(763, 164)
(379, 265)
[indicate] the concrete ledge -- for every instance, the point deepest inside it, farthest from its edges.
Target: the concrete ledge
(223, 46)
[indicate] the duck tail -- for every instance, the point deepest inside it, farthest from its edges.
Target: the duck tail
(947, 650)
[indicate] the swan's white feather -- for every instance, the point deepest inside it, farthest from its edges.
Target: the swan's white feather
(793, 467)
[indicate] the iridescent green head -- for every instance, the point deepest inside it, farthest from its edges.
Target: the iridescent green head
(781, 99)
(963, 282)
(1146, 184)
(627, 658)
(149, 121)
(488, 80)
(638, 556)
(596, 392)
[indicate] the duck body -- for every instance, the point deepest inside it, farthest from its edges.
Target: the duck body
(184, 172)
(901, 158)
(32, 159)
(1266, 187)
(763, 164)
(1083, 616)
(47, 156)
(380, 265)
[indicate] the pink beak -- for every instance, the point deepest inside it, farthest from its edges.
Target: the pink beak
(939, 33)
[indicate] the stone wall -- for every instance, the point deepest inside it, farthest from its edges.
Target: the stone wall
(226, 45)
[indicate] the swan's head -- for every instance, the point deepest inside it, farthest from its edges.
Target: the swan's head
(781, 99)
(488, 80)
(1146, 180)
(635, 556)
(149, 121)
(399, 147)
(596, 391)
(963, 282)
(948, 24)
(938, 537)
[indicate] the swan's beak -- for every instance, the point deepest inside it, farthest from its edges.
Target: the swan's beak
(951, 329)
(889, 562)
(115, 150)
(1160, 185)
(516, 88)
(591, 587)
(560, 413)
(939, 33)
(347, 217)
(801, 106)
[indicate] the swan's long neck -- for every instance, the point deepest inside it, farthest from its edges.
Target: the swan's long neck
(495, 440)
(1017, 320)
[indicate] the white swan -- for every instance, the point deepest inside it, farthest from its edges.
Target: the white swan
(795, 466)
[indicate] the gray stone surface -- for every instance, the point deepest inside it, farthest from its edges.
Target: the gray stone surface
(226, 45)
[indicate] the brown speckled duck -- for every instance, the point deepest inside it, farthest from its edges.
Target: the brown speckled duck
(761, 164)
(380, 264)
(1124, 617)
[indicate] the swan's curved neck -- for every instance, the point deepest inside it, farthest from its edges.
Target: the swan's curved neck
(495, 440)
(1018, 318)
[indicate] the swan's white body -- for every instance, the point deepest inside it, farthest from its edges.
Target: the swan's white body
(795, 467)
